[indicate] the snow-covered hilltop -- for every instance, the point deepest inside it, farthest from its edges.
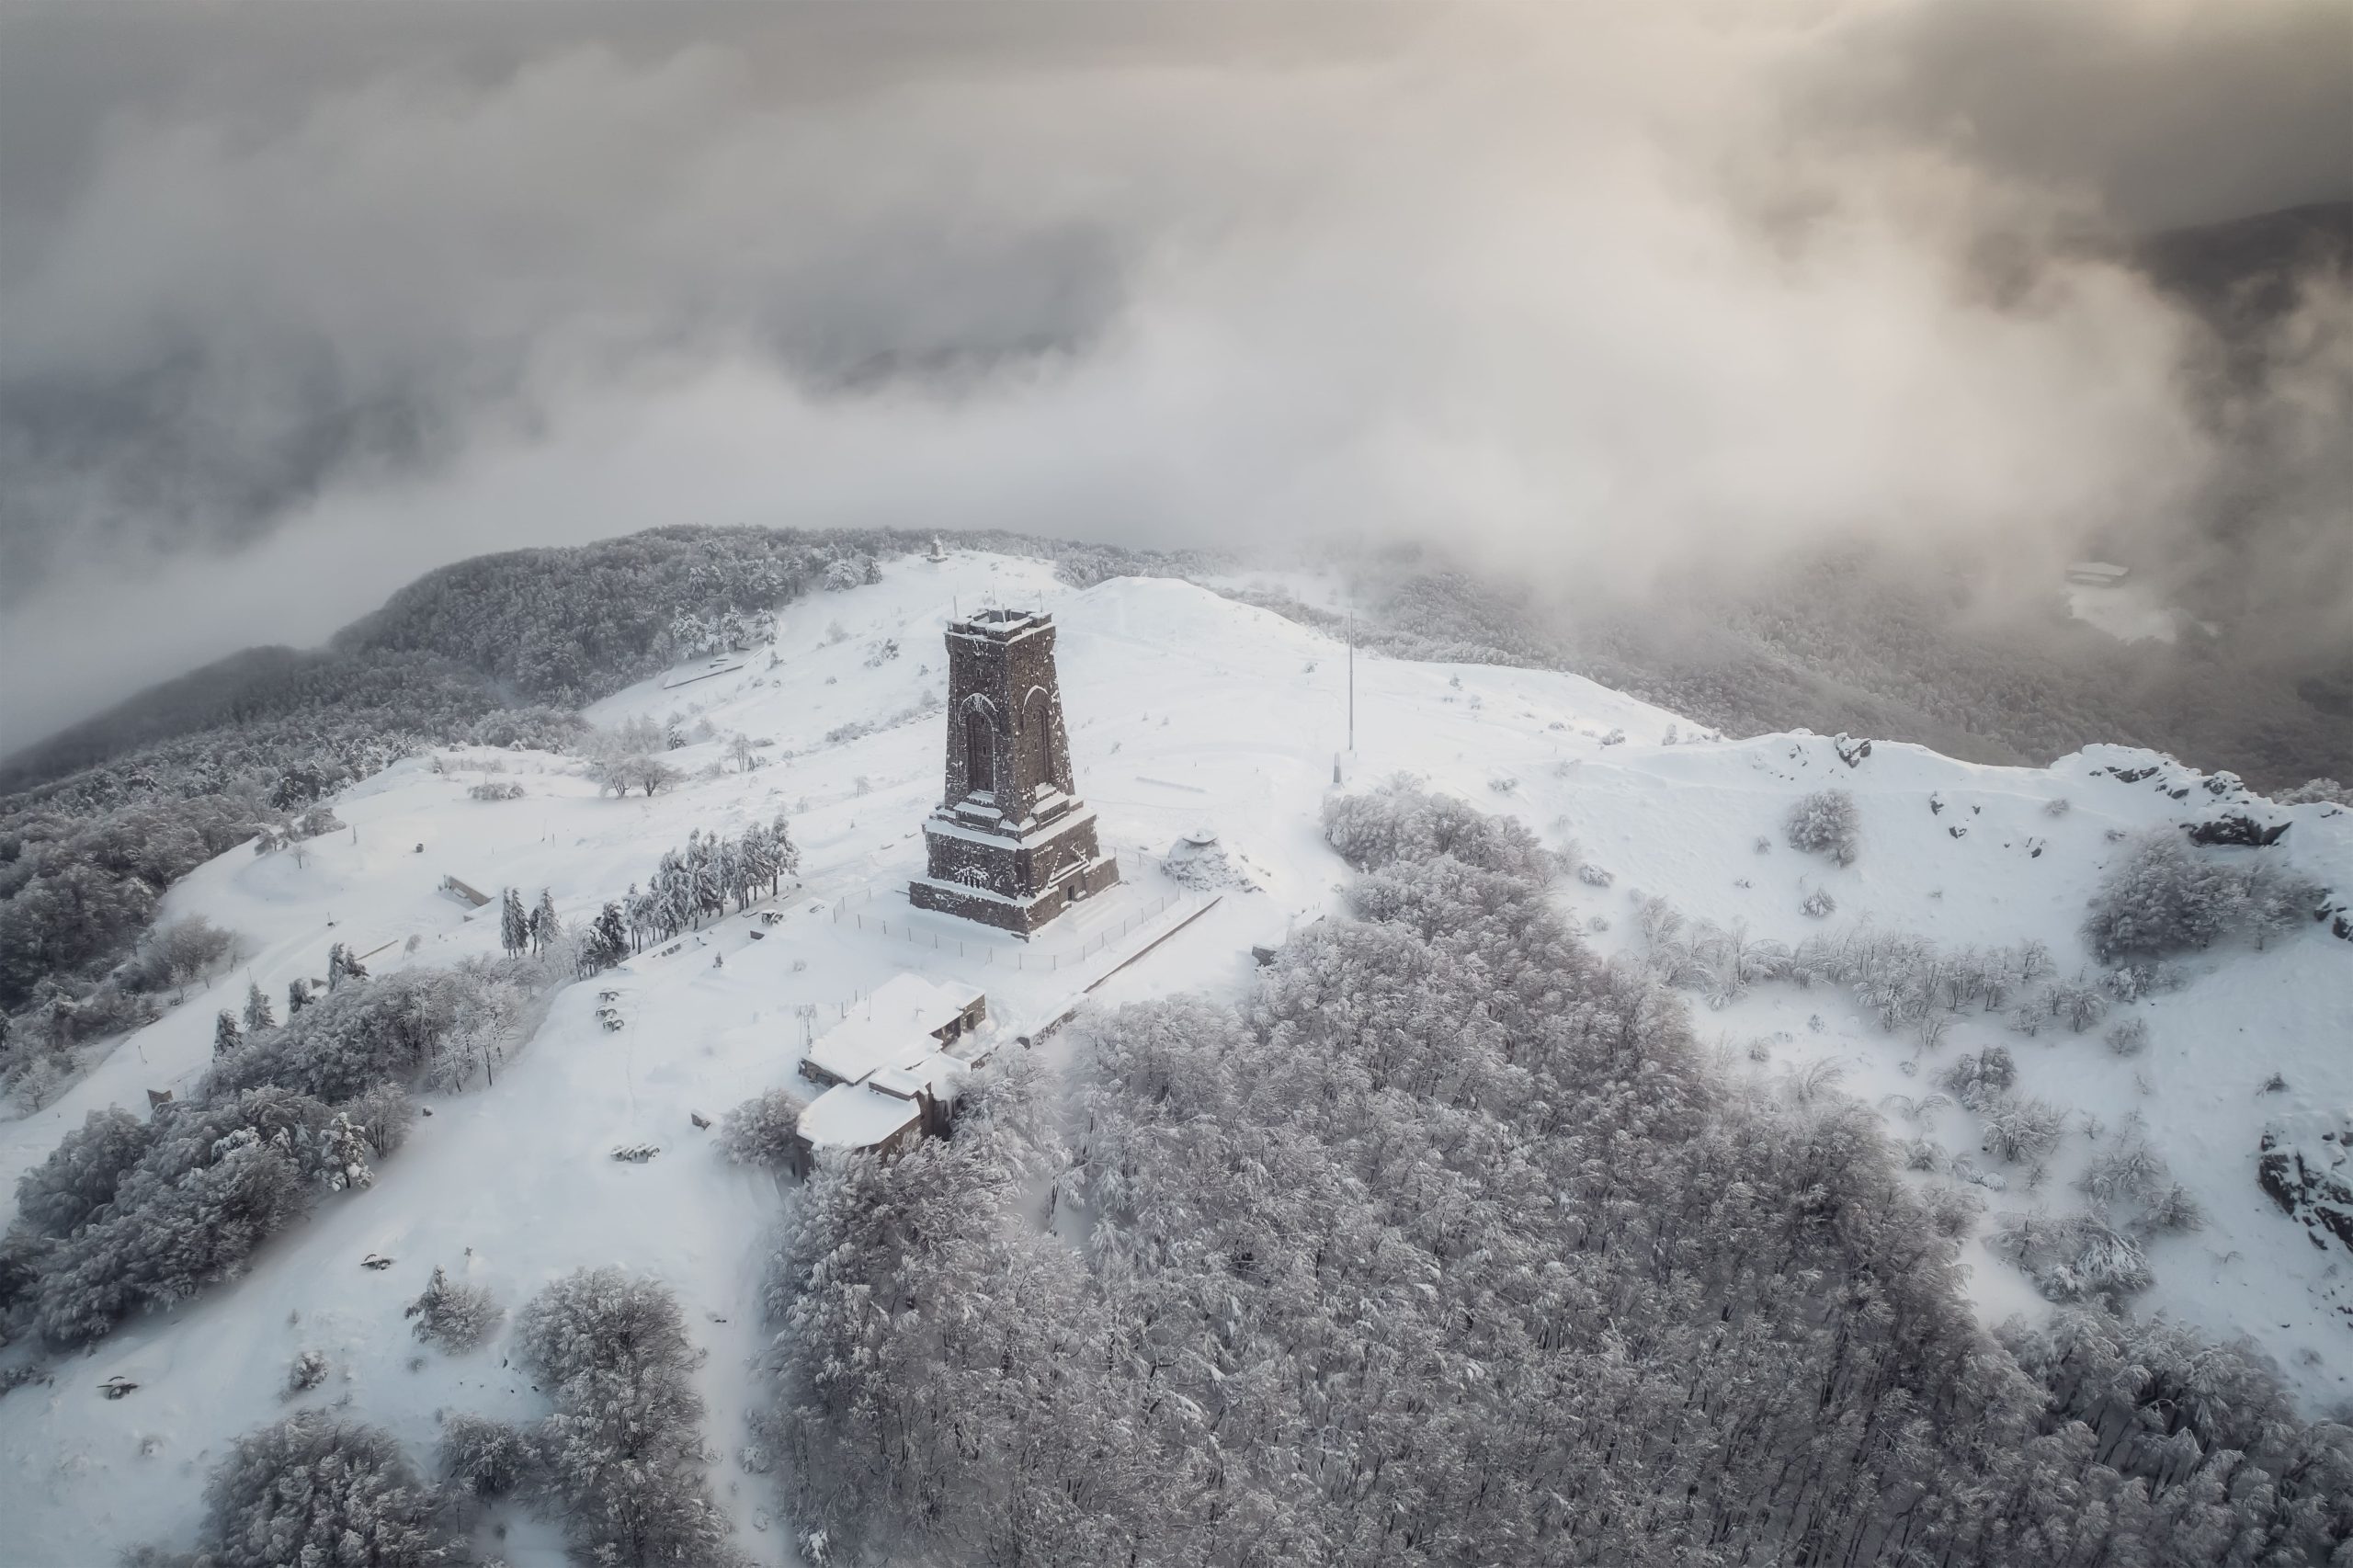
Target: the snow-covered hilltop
(1190, 713)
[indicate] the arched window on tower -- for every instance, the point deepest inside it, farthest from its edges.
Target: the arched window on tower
(979, 773)
(1037, 719)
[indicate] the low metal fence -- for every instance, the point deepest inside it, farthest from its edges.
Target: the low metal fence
(850, 908)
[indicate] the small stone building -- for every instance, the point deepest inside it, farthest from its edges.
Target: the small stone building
(887, 1113)
(892, 1068)
(904, 1019)
(1011, 846)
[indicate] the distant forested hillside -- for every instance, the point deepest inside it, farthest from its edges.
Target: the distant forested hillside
(486, 646)
(570, 625)
(557, 627)
(241, 715)
(2250, 270)
(1840, 642)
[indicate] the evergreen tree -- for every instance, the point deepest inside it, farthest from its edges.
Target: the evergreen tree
(225, 1037)
(257, 1014)
(608, 940)
(639, 908)
(784, 854)
(298, 996)
(456, 1317)
(514, 925)
(545, 928)
(729, 864)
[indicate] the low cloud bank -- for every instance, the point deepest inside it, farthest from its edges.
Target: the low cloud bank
(1583, 292)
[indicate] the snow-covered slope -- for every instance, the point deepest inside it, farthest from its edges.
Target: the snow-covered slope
(1186, 710)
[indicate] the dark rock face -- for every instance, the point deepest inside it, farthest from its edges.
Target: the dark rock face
(2311, 1180)
(2237, 828)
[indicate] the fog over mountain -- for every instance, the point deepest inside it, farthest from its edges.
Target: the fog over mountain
(295, 303)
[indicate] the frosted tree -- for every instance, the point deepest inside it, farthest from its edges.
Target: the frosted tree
(513, 924)
(728, 864)
(484, 1459)
(777, 856)
(608, 940)
(298, 996)
(209, 1185)
(621, 1456)
(225, 1036)
(545, 929)
(80, 1177)
(454, 1317)
(1826, 823)
(2019, 1128)
(764, 1130)
(257, 1014)
(643, 918)
(317, 1489)
(2164, 897)
(710, 878)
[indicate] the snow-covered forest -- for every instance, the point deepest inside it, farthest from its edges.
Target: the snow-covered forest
(1450, 1243)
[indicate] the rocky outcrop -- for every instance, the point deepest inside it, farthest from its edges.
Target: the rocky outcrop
(2237, 828)
(2309, 1172)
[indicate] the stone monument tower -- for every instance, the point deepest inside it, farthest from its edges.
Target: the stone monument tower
(1011, 846)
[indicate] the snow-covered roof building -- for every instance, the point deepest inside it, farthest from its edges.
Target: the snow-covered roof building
(887, 1111)
(891, 1075)
(460, 891)
(902, 1020)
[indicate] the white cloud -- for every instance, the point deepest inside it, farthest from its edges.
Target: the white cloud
(1592, 291)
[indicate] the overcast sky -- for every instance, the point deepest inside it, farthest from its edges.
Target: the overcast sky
(297, 301)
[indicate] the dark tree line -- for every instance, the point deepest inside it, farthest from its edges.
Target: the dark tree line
(697, 882)
(80, 956)
(127, 1216)
(572, 624)
(261, 712)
